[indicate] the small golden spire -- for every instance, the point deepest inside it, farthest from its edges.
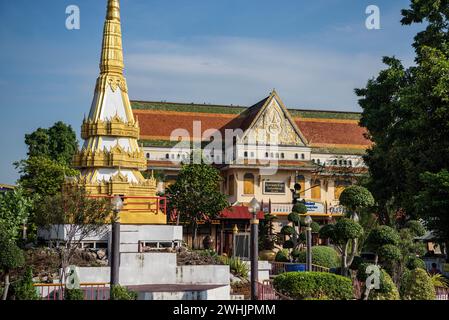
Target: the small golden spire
(113, 10)
(112, 51)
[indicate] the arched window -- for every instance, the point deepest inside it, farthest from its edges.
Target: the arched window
(340, 185)
(266, 154)
(296, 156)
(248, 184)
(303, 156)
(167, 156)
(302, 182)
(245, 154)
(282, 155)
(148, 156)
(316, 189)
(231, 185)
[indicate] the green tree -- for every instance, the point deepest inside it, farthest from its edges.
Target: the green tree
(432, 203)
(58, 143)
(344, 235)
(417, 285)
(73, 216)
(43, 176)
(406, 112)
(196, 196)
(11, 257)
(15, 208)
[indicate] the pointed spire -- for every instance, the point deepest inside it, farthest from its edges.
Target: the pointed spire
(112, 51)
(113, 10)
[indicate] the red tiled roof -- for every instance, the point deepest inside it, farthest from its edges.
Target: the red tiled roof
(239, 213)
(320, 132)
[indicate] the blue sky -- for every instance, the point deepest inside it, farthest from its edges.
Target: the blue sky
(314, 52)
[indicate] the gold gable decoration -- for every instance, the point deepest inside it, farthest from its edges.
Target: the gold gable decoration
(274, 126)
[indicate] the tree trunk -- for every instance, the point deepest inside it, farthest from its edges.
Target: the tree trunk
(194, 234)
(344, 257)
(353, 253)
(5, 292)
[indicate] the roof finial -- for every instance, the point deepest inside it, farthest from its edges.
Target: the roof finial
(113, 10)
(112, 52)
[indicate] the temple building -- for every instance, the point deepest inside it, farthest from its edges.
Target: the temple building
(110, 160)
(320, 150)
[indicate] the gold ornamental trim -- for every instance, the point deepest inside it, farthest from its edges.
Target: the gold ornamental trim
(114, 158)
(114, 127)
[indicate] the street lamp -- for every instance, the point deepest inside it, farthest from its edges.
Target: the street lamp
(117, 206)
(254, 208)
(308, 222)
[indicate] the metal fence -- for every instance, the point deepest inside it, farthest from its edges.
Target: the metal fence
(281, 267)
(266, 291)
(55, 291)
(442, 293)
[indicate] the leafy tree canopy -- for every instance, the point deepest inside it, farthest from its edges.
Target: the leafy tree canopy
(43, 176)
(15, 208)
(58, 143)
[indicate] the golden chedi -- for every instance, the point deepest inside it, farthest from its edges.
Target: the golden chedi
(110, 160)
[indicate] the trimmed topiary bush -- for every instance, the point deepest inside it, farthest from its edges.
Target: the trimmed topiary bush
(282, 256)
(417, 285)
(322, 256)
(288, 230)
(315, 226)
(314, 285)
(74, 294)
(414, 262)
(381, 236)
(415, 227)
(356, 197)
(387, 290)
(122, 293)
(389, 253)
(299, 208)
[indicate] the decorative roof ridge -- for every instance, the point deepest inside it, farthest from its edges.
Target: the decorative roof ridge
(186, 104)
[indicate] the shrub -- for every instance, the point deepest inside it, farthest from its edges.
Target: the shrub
(346, 229)
(237, 266)
(381, 236)
(415, 227)
(322, 256)
(418, 286)
(74, 294)
(299, 208)
(387, 290)
(288, 230)
(122, 293)
(327, 231)
(356, 197)
(440, 281)
(414, 262)
(314, 285)
(24, 289)
(294, 217)
(389, 253)
(282, 256)
(315, 226)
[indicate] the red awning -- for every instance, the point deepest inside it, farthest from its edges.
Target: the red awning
(240, 213)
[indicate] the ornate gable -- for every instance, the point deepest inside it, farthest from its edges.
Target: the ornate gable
(274, 125)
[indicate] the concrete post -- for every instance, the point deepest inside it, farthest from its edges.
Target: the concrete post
(254, 255)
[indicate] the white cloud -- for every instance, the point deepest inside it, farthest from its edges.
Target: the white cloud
(242, 71)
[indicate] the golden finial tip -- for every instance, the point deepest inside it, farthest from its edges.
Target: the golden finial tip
(113, 10)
